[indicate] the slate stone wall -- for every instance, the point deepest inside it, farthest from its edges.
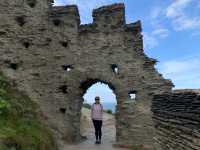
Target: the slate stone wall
(54, 59)
(177, 120)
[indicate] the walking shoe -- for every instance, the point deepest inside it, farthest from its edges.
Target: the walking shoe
(96, 142)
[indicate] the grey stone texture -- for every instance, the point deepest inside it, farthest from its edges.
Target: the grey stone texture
(54, 59)
(176, 118)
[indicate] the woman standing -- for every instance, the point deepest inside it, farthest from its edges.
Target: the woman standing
(97, 118)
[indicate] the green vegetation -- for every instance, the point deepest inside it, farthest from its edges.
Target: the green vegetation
(86, 105)
(109, 111)
(19, 128)
(137, 147)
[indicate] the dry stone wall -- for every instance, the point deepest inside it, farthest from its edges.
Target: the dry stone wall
(177, 120)
(54, 59)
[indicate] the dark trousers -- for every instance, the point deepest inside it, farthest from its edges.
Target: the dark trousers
(97, 125)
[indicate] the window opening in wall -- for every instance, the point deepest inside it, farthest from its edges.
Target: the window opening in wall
(64, 43)
(3, 33)
(132, 95)
(63, 89)
(26, 44)
(20, 20)
(47, 41)
(63, 110)
(14, 66)
(115, 68)
(31, 3)
(56, 22)
(67, 67)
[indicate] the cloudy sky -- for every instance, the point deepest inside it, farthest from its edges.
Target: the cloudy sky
(171, 30)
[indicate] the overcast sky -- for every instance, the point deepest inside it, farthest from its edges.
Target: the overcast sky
(171, 30)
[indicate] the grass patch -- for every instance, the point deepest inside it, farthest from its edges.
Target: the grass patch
(19, 128)
(138, 147)
(109, 111)
(86, 105)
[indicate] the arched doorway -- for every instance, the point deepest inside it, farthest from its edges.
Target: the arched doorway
(93, 88)
(107, 95)
(107, 49)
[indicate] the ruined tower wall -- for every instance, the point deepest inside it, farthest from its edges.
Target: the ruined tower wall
(109, 40)
(36, 48)
(22, 28)
(32, 53)
(176, 118)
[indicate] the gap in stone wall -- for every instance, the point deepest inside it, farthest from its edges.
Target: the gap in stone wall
(13, 66)
(31, 3)
(115, 68)
(132, 94)
(63, 89)
(20, 20)
(26, 44)
(67, 67)
(64, 43)
(63, 110)
(3, 33)
(56, 22)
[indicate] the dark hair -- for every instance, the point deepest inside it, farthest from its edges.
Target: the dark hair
(97, 98)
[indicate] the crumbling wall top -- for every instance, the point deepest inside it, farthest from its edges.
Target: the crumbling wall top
(69, 13)
(109, 9)
(196, 91)
(135, 27)
(63, 10)
(111, 15)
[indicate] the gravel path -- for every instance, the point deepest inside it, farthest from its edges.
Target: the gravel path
(88, 131)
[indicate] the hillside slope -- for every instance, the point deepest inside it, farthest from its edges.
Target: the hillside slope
(19, 128)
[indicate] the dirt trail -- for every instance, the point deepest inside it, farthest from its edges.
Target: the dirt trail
(88, 130)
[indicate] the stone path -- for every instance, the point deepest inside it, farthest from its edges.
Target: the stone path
(87, 130)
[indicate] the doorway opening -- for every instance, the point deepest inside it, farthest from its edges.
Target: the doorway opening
(109, 102)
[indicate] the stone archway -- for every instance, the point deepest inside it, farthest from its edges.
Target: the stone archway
(89, 83)
(109, 102)
(55, 55)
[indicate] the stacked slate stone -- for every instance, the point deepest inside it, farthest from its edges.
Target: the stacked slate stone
(49, 56)
(177, 120)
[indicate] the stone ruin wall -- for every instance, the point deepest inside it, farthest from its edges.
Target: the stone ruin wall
(37, 42)
(177, 120)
